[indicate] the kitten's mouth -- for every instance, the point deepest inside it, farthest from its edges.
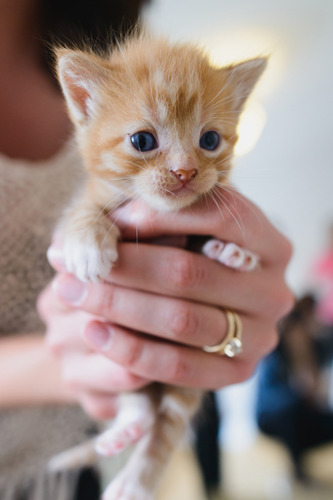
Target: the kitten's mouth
(179, 191)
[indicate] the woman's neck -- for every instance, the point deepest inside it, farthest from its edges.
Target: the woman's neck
(19, 28)
(33, 119)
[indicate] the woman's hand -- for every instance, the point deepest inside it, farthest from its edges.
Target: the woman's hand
(161, 304)
(90, 378)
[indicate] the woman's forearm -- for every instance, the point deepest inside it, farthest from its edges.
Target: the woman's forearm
(29, 375)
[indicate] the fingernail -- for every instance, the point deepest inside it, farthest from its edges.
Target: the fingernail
(98, 336)
(71, 289)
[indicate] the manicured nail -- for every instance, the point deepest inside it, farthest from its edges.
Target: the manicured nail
(71, 289)
(98, 336)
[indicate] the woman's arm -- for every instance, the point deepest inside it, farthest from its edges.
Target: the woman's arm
(29, 374)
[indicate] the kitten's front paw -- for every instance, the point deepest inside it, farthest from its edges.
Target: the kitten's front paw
(89, 258)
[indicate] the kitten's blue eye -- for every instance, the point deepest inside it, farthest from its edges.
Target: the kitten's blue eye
(210, 140)
(143, 141)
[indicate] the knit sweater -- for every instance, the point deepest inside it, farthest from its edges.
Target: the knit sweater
(32, 195)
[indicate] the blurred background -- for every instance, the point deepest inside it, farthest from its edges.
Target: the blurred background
(283, 163)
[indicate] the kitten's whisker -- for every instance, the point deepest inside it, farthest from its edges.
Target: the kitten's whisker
(113, 179)
(103, 210)
(135, 164)
(226, 100)
(225, 122)
(211, 194)
(165, 190)
(129, 198)
(224, 87)
(229, 209)
(230, 189)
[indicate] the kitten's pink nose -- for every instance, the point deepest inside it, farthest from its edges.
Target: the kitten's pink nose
(184, 175)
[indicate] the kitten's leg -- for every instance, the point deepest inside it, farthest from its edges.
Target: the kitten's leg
(140, 477)
(90, 240)
(136, 416)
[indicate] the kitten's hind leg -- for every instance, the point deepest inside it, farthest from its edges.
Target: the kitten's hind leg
(140, 477)
(136, 415)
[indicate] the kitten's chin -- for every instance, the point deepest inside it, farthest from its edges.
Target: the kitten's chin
(171, 202)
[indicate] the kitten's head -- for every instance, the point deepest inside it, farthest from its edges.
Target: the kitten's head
(156, 119)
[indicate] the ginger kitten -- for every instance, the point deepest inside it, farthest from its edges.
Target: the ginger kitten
(154, 121)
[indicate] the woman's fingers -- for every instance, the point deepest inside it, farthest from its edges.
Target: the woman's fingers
(236, 219)
(173, 319)
(82, 369)
(175, 364)
(180, 273)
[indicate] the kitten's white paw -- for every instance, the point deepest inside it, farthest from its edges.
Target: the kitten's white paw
(88, 259)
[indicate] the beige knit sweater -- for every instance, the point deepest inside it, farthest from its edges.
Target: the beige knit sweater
(32, 196)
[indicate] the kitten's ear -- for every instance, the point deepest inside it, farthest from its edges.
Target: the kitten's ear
(243, 77)
(80, 76)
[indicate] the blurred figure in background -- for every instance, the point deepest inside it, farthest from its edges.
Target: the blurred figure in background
(293, 393)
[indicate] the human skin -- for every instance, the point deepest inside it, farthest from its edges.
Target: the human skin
(149, 320)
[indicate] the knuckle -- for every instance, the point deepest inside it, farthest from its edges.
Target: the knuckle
(132, 354)
(106, 300)
(279, 301)
(285, 250)
(185, 271)
(177, 369)
(284, 301)
(183, 322)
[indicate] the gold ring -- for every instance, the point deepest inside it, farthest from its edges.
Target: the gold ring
(231, 344)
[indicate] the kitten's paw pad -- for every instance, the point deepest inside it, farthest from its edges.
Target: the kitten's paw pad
(120, 437)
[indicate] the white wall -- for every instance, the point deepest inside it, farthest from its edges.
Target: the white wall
(290, 172)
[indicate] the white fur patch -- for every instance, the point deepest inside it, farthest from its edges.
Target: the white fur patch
(88, 260)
